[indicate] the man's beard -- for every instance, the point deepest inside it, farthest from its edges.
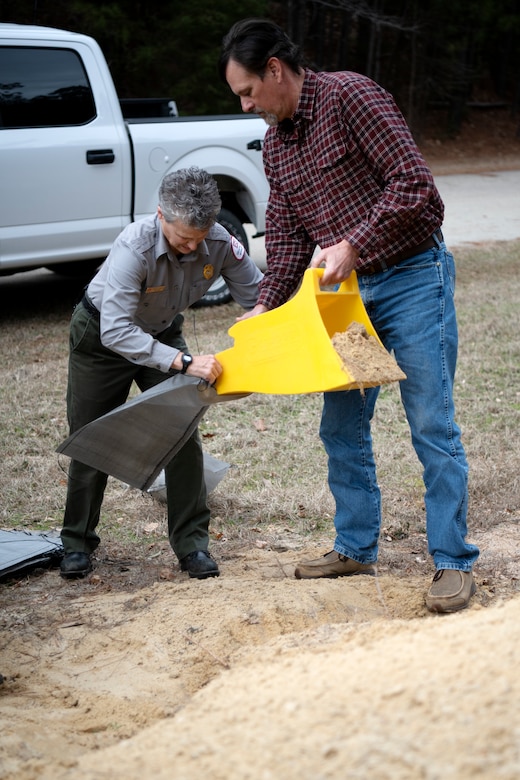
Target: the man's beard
(269, 119)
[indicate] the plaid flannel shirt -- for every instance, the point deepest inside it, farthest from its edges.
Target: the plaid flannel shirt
(344, 167)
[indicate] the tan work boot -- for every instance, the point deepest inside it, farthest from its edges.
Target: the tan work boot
(450, 590)
(332, 564)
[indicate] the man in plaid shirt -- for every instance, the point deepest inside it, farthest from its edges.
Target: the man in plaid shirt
(347, 179)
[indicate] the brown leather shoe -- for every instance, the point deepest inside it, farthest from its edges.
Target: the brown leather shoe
(332, 564)
(450, 590)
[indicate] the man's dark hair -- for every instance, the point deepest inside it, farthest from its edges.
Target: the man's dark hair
(252, 42)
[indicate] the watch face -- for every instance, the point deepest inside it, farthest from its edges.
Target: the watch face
(187, 360)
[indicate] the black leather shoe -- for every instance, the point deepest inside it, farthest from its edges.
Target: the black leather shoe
(75, 564)
(200, 564)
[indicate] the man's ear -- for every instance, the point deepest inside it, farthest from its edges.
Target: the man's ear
(274, 67)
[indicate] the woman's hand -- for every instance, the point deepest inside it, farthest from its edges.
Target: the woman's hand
(206, 367)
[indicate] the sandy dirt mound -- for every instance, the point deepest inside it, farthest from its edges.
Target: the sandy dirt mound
(258, 675)
(379, 700)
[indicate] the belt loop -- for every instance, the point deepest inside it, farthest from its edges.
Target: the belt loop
(438, 238)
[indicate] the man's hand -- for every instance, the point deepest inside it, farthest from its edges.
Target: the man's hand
(339, 261)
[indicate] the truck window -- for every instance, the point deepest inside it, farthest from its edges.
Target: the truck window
(43, 87)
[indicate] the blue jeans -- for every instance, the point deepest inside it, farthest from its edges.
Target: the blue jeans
(411, 307)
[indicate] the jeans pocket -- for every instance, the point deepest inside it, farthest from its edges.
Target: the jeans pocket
(450, 271)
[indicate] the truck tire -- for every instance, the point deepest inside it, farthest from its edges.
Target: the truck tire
(219, 293)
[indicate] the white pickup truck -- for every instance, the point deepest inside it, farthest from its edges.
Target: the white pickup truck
(77, 164)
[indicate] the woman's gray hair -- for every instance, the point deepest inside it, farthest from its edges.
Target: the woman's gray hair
(191, 196)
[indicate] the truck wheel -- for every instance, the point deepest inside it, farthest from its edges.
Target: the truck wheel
(219, 293)
(233, 225)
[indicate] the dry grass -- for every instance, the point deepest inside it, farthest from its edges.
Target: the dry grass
(278, 474)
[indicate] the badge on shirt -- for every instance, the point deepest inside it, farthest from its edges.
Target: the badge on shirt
(208, 271)
(237, 247)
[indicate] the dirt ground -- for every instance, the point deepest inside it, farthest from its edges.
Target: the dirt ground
(140, 672)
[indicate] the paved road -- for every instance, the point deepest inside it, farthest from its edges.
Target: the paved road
(478, 208)
(481, 207)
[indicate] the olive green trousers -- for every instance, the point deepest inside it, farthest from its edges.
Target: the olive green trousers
(99, 380)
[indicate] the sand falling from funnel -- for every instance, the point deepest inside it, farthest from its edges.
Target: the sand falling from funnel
(364, 358)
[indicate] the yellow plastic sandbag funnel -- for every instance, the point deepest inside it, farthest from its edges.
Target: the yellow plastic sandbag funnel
(288, 350)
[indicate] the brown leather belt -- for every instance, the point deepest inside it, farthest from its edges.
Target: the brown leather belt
(389, 262)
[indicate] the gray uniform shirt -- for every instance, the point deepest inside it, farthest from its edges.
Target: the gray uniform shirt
(143, 285)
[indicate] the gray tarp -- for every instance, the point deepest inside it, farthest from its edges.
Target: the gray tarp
(21, 551)
(136, 440)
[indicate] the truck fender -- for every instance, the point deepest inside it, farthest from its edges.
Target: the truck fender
(239, 179)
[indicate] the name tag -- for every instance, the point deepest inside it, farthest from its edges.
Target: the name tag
(155, 289)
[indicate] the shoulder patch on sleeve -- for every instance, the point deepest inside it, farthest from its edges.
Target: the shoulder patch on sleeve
(237, 248)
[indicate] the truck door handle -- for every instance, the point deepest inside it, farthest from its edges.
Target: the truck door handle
(100, 157)
(256, 145)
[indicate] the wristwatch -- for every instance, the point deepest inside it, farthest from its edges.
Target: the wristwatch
(187, 360)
